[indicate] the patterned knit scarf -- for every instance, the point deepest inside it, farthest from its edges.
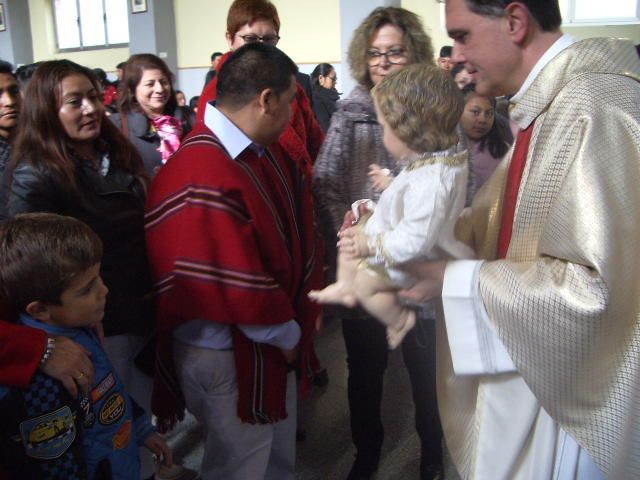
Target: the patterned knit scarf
(170, 131)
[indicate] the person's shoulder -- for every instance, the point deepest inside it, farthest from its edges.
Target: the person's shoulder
(358, 106)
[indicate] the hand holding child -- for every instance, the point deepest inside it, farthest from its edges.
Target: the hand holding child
(159, 447)
(381, 178)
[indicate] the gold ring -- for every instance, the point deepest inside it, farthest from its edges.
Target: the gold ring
(80, 377)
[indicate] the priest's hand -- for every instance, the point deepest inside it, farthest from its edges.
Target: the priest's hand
(430, 277)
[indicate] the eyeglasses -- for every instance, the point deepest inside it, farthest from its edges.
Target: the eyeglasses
(252, 38)
(394, 56)
(333, 79)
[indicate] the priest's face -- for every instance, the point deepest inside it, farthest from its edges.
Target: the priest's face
(483, 44)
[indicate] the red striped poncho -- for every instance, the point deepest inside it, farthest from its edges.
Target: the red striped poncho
(231, 241)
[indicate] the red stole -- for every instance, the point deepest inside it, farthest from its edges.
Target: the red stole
(514, 177)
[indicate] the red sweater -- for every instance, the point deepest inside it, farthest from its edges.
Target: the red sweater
(21, 349)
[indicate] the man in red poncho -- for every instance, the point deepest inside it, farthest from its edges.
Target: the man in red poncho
(232, 249)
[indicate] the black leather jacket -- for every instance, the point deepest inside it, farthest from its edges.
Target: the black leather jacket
(113, 206)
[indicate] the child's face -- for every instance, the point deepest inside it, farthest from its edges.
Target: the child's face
(82, 303)
(396, 147)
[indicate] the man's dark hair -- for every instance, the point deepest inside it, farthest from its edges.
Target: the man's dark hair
(25, 72)
(6, 68)
(545, 12)
(40, 254)
(215, 55)
(446, 51)
(252, 69)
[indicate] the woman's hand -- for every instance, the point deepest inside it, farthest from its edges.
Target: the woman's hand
(70, 363)
(381, 178)
(353, 243)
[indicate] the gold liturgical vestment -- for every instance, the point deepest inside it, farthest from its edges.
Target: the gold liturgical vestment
(566, 300)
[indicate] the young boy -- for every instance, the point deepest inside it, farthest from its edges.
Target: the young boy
(418, 108)
(50, 275)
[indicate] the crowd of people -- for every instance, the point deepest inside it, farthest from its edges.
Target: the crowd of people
(159, 256)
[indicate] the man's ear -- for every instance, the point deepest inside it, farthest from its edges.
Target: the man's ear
(519, 21)
(265, 100)
(38, 310)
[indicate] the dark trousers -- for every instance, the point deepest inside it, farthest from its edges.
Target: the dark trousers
(367, 351)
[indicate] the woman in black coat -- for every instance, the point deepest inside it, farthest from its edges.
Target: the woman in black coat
(323, 93)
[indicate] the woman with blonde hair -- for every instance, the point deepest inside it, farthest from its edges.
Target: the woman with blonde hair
(352, 162)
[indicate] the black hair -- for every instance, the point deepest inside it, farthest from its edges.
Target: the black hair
(499, 139)
(25, 72)
(102, 76)
(6, 68)
(545, 12)
(251, 69)
(214, 55)
(457, 68)
(193, 102)
(446, 51)
(323, 69)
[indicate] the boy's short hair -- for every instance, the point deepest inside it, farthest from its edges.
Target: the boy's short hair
(40, 254)
(422, 105)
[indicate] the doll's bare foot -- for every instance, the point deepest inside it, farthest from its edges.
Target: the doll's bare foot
(336, 293)
(397, 332)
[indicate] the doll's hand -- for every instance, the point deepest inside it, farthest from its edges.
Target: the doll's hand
(354, 244)
(381, 178)
(159, 447)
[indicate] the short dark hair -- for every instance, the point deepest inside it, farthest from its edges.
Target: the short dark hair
(215, 55)
(40, 254)
(25, 72)
(250, 70)
(6, 68)
(545, 12)
(446, 51)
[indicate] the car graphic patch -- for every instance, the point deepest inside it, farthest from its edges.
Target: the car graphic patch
(48, 436)
(112, 409)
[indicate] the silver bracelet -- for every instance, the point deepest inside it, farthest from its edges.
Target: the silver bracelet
(48, 351)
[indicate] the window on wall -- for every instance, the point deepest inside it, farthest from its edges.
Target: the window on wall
(598, 12)
(85, 24)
